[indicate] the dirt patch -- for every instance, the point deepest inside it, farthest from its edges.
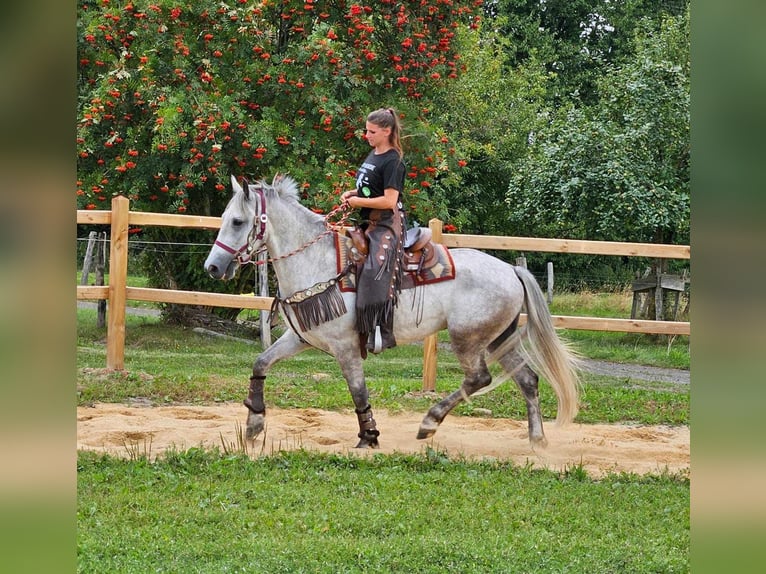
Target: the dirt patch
(135, 430)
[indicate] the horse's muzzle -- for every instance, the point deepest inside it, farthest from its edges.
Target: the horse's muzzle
(217, 272)
(213, 271)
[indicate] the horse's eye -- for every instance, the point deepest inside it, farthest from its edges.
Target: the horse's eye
(237, 222)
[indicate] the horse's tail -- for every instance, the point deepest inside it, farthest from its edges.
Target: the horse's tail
(547, 353)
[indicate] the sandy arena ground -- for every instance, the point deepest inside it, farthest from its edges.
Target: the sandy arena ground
(127, 430)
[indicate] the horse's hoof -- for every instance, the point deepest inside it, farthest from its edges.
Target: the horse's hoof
(255, 426)
(538, 442)
(427, 428)
(251, 433)
(368, 443)
(424, 433)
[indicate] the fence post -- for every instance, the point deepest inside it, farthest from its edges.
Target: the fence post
(118, 275)
(550, 282)
(100, 263)
(86, 263)
(429, 343)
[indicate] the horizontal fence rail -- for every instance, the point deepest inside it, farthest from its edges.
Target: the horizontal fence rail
(573, 246)
(117, 293)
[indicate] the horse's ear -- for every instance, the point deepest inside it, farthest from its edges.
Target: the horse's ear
(235, 187)
(246, 187)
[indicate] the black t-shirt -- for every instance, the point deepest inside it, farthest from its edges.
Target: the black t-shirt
(378, 173)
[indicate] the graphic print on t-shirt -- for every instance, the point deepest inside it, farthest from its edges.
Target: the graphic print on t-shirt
(363, 180)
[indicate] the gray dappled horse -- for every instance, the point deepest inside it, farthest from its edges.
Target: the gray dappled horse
(480, 309)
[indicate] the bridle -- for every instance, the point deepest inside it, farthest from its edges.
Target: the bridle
(244, 254)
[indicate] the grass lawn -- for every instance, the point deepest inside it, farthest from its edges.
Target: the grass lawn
(200, 511)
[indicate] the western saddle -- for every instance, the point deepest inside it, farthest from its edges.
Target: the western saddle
(419, 251)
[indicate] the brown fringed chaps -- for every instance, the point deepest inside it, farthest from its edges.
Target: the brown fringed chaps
(380, 279)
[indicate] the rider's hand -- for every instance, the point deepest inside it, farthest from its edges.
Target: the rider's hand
(346, 195)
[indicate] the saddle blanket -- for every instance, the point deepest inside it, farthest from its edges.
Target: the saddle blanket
(442, 269)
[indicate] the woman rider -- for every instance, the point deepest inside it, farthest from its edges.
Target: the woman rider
(379, 184)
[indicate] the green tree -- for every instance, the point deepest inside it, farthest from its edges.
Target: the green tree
(489, 112)
(526, 57)
(617, 170)
(574, 39)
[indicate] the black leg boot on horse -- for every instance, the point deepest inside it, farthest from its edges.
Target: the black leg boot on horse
(256, 406)
(368, 431)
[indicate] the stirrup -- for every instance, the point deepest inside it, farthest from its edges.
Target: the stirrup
(377, 346)
(377, 342)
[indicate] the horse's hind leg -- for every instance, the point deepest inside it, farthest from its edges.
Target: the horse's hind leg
(477, 377)
(526, 379)
(286, 346)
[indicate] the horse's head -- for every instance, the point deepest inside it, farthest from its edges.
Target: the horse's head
(243, 225)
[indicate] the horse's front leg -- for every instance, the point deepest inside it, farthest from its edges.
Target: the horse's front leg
(350, 362)
(286, 346)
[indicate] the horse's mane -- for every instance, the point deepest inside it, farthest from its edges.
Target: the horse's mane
(284, 187)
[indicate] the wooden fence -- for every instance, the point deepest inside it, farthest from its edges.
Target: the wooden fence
(117, 293)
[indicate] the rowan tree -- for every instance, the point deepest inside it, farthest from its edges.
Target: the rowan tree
(177, 95)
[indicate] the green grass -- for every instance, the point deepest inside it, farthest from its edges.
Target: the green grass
(592, 304)
(130, 281)
(632, 348)
(204, 511)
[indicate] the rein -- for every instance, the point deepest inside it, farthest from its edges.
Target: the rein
(244, 254)
(330, 229)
